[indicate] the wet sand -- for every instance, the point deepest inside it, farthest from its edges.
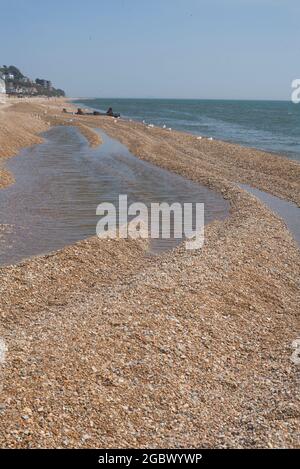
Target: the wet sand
(107, 347)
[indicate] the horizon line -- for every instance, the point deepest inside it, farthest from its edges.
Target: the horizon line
(181, 99)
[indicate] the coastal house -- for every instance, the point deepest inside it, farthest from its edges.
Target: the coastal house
(26, 80)
(10, 87)
(9, 76)
(46, 84)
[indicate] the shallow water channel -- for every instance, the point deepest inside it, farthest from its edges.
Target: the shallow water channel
(288, 211)
(60, 183)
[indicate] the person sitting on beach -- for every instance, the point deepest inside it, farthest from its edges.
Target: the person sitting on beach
(109, 112)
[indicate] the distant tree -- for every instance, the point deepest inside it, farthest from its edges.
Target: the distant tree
(60, 92)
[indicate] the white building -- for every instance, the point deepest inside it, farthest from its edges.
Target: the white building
(2, 90)
(9, 76)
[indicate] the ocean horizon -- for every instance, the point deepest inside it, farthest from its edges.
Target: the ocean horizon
(269, 125)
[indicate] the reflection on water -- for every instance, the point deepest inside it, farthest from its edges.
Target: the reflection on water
(288, 211)
(60, 183)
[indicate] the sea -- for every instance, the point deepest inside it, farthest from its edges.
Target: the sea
(273, 126)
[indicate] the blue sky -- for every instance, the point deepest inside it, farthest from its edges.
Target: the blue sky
(156, 48)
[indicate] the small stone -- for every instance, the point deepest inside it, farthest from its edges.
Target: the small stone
(27, 410)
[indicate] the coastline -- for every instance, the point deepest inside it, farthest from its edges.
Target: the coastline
(205, 335)
(268, 172)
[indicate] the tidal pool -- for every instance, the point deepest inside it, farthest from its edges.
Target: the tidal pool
(60, 182)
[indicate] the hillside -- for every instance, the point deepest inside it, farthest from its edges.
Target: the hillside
(18, 84)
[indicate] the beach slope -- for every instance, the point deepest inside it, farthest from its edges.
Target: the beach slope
(104, 346)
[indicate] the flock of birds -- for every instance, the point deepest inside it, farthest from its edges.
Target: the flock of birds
(151, 126)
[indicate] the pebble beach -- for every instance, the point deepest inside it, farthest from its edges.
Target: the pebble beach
(102, 345)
